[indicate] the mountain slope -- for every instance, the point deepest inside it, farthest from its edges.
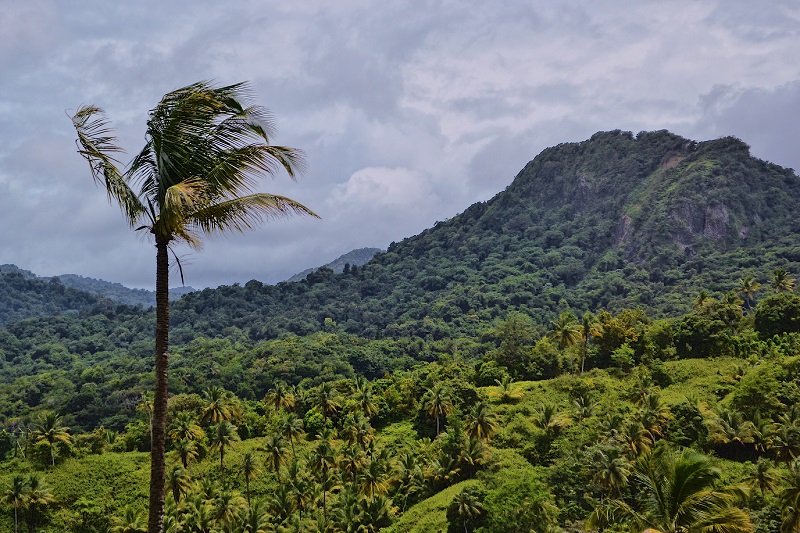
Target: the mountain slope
(615, 221)
(356, 257)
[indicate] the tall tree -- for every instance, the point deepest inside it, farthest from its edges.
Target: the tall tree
(748, 287)
(38, 496)
(205, 147)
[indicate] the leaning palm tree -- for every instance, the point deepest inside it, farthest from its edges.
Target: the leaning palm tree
(205, 147)
(676, 493)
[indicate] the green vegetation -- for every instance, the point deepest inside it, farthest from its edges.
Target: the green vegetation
(619, 349)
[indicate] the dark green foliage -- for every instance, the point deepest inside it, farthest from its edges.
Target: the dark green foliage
(778, 313)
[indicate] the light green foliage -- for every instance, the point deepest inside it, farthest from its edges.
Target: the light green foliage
(431, 513)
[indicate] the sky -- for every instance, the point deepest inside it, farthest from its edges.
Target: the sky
(408, 111)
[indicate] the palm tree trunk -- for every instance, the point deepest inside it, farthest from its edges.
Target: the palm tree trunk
(155, 521)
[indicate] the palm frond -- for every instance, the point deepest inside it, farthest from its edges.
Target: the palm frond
(245, 212)
(97, 145)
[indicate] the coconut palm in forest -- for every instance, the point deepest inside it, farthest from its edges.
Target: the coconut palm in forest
(676, 493)
(205, 148)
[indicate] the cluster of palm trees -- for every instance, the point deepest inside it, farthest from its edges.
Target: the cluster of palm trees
(339, 479)
(27, 495)
(647, 483)
(45, 430)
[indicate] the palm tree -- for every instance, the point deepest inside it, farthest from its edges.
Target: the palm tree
(323, 458)
(748, 287)
(481, 422)
(467, 506)
(280, 396)
(178, 482)
(145, 406)
(130, 522)
(328, 400)
(276, 453)
(250, 471)
(790, 501)
(702, 298)
(204, 148)
(590, 327)
(184, 427)
(373, 480)
(781, 281)
(436, 403)
(48, 428)
(220, 405)
(292, 430)
(611, 472)
(363, 397)
(507, 392)
(16, 496)
(255, 519)
(38, 495)
(763, 477)
(223, 435)
(566, 331)
(227, 506)
(187, 450)
(549, 419)
(677, 493)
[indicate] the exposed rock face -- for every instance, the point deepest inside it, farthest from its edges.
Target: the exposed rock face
(717, 222)
(624, 230)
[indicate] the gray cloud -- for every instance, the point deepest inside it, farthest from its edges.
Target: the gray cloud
(408, 112)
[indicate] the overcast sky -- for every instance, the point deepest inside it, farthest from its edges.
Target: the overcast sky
(408, 111)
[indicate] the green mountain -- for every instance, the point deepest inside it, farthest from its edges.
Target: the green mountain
(614, 222)
(356, 257)
(23, 295)
(20, 300)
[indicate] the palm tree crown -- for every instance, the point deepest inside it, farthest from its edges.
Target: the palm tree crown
(677, 493)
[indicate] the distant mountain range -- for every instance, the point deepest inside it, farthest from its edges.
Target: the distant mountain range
(357, 257)
(104, 289)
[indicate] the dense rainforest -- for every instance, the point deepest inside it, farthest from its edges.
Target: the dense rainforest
(622, 315)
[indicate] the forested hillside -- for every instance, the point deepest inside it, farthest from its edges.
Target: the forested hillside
(624, 313)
